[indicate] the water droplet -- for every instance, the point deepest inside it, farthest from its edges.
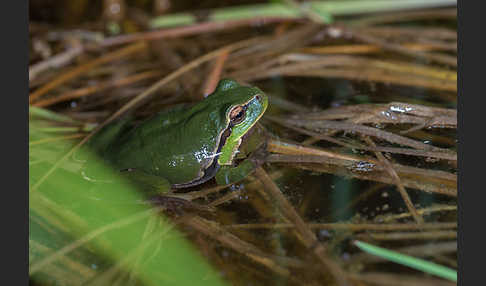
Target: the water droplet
(334, 33)
(345, 256)
(324, 234)
(400, 109)
(389, 115)
(235, 187)
(362, 166)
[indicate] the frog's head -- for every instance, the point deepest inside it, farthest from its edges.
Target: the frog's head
(242, 107)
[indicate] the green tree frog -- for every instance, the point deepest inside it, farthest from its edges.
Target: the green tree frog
(184, 147)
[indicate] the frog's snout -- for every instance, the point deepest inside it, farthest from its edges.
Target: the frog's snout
(262, 99)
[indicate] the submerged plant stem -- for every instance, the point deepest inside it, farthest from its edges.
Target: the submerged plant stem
(308, 237)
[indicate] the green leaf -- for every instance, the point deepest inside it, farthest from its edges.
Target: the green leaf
(83, 232)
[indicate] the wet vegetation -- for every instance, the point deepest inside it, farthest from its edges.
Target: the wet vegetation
(360, 137)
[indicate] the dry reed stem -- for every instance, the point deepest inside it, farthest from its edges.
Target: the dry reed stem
(369, 75)
(283, 147)
(423, 211)
(346, 165)
(355, 227)
(370, 39)
(304, 233)
(56, 61)
(406, 151)
(225, 198)
(390, 170)
(215, 75)
(371, 49)
(367, 165)
(385, 279)
(186, 31)
(394, 112)
(443, 188)
(90, 90)
(357, 128)
(423, 235)
(441, 34)
(205, 192)
(303, 62)
(402, 16)
(115, 55)
(353, 68)
(257, 55)
(216, 232)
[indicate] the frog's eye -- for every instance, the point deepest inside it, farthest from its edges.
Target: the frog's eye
(237, 114)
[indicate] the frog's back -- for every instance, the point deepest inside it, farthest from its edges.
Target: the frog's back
(170, 145)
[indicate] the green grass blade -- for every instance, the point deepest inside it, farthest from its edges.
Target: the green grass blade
(80, 232)
(41, 113)
(326, 9)
(419, 264)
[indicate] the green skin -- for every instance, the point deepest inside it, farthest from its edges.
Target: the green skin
(186, 147)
